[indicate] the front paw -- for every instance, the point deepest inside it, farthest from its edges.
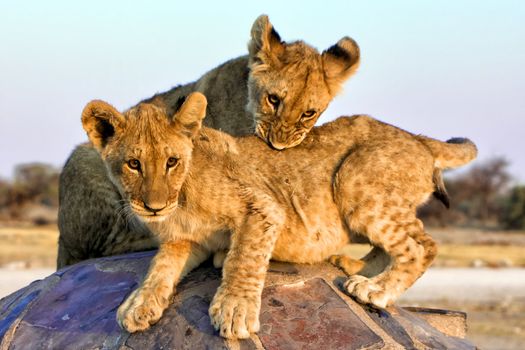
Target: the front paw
(236, 317)
(366, 291)
(139, 311)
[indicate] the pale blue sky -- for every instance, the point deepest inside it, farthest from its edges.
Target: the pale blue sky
(441, 68)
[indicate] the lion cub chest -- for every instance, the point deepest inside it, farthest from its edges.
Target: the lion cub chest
(190, 225)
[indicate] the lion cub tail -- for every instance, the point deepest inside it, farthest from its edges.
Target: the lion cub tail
(451, 154)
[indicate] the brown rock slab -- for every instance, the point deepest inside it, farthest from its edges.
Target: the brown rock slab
(311, 315)
(452, 323)
(302, 307)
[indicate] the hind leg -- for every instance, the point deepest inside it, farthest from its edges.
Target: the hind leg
(218, 258)
(377, 189)
(400, 234)
(350, 266)
(429, 245)
(373, 263)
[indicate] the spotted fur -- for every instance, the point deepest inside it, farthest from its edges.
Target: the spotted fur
(237, 194)
(92, 220)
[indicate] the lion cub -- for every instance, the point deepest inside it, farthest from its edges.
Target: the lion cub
(278, 90)
(201, 191)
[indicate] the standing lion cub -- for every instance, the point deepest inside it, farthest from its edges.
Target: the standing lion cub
(278, 90)
(201, 191)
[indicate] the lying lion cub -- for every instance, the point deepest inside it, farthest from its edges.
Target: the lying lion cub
(201, 191)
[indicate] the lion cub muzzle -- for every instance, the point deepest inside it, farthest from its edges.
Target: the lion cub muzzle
(154, 209)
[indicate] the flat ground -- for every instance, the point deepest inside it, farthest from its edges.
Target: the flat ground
(481, 273)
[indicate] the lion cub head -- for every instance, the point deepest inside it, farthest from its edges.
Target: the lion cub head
(147, 153)
(291, 84)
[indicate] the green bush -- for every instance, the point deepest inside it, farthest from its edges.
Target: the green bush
(513, 215)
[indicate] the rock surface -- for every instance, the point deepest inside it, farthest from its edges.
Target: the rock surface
(302, 308)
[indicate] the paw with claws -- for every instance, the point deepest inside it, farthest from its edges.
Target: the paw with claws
(236, 317)
(367, 291)
(141, 309)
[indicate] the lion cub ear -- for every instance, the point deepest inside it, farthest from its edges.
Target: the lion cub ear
(265, 45)
(101, 120)
(340, 61)
(188, 118)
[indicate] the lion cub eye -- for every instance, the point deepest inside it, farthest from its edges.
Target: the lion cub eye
(134, 164)
(172, 161)
(308, 114)
(274, 100)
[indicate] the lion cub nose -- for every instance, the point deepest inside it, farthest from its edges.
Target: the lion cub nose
(154, 207)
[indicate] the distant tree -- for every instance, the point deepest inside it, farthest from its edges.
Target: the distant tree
(475, 196)
(34, 184)
(481, 188)
(435, 214)
(513, 214)
(4, 192)
(5, 188)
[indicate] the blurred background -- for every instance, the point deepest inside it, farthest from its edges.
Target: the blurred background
(442, 69)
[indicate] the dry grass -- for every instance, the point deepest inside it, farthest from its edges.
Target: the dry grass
(492, 325)
(28, 246)
(490, 255)
(464, 255)
(36, 246)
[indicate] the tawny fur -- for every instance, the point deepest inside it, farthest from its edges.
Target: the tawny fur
(239, 195)
(92, 220)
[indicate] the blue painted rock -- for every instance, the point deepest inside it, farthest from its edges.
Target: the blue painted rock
(302, 308)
